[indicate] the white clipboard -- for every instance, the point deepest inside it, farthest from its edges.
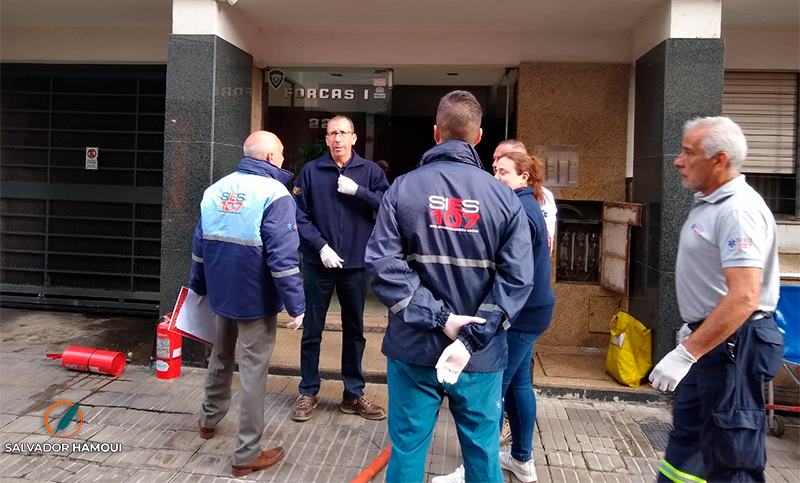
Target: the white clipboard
(193, 318)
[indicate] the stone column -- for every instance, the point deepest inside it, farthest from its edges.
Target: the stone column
(676, 81)
(208, 105)
(679, 59)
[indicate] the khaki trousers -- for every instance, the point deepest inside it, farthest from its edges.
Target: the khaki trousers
(256, 341)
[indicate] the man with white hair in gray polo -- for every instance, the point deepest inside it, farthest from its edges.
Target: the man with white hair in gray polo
(727, 282)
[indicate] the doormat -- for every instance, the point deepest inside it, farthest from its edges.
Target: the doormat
(574, 366)
(657, 434)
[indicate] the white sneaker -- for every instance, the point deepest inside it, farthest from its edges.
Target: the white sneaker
(455, 477)
(523, 470)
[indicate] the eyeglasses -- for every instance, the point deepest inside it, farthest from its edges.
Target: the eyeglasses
(335, 134)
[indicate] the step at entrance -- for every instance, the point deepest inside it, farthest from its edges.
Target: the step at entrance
(286, 356)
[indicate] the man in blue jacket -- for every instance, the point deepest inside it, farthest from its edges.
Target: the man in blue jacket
(336, 197)
(244, 257)
(449, 239)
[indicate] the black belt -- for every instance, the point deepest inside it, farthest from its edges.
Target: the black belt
(730, 342)
(758, 314)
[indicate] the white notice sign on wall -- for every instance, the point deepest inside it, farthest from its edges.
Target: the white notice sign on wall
(91, 158)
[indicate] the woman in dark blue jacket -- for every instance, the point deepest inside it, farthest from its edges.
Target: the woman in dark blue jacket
(523, 174)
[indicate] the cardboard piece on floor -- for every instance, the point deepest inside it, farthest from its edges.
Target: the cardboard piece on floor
(193, 318)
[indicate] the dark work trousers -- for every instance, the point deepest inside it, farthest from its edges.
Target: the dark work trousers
(351, 289)
(719, 414)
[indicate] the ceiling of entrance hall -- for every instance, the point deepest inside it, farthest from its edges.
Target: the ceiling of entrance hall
(400, 15)
(498, 15)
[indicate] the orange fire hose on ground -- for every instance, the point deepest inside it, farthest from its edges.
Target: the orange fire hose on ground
(374, 467)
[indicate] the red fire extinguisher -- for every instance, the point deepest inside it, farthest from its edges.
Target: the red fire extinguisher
(168, 351)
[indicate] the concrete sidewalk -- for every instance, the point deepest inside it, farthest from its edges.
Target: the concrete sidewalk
(155, 421)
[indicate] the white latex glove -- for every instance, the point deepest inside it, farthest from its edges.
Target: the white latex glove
(330, 259)
(683, 333)
(672, 369)
(297, 322)
(453, 360)
(455, 322)
(347, 186)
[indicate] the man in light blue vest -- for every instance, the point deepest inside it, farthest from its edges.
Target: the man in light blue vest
(244, 257)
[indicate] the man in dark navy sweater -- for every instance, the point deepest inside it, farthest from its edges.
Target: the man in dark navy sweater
(337, 196)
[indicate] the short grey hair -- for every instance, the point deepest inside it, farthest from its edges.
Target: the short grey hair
(339, 117)
(723, 135)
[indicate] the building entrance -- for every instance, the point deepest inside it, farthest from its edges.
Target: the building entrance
(393, 110)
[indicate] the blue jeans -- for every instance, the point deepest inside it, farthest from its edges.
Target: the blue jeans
(414, 400)
(351, 289)
(718, 413)
(520, 402)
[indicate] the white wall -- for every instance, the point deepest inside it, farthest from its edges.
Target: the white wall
(204, 17)
(758, 50)
(194, 17)
(653, 29)
(118, 45)
(238, 29)
(677, 19)
(693, 19)
(789, 237)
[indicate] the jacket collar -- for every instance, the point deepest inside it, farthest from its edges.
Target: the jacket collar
(723, 192)
(263, 168)
(524, 191)
(327, 161)
(452, 150)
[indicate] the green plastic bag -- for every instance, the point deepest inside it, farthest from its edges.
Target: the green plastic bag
(630, 351)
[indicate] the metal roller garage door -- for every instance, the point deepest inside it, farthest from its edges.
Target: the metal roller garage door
(71, 236)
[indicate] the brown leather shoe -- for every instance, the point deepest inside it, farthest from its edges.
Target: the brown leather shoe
(265, 460)
(303, 407)
(363, 407)
(205, 433)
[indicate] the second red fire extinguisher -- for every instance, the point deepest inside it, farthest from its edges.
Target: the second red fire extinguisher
(168, 351)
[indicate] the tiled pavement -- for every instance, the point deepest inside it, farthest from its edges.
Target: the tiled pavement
(155, 420)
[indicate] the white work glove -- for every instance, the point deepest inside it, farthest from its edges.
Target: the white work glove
(455, 322)
(672, 369)
(347, 186)
(453, 360)
(330, 259)
(683, 333)
(297, 322)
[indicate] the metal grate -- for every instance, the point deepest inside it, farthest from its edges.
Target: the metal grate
(71, 236)
(657, 434)
(22, 242)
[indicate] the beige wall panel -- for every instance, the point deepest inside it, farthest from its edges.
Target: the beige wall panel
(584, 105)
(572, 320)
(601, 311)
